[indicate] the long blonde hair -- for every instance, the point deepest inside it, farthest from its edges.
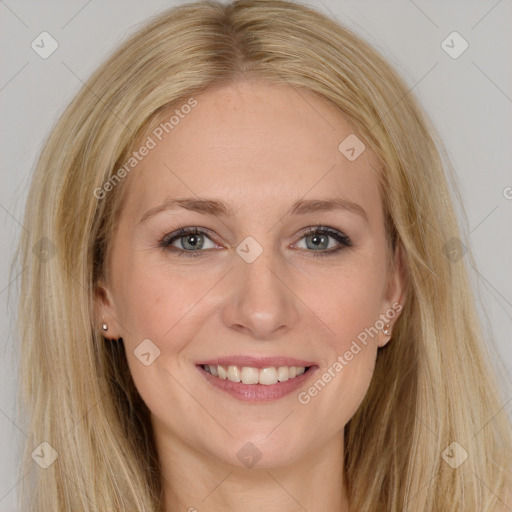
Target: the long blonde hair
(435, 382)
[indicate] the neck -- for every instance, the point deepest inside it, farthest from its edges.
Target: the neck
(195, 481)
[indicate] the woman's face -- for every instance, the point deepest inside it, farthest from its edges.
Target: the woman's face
(254, 289)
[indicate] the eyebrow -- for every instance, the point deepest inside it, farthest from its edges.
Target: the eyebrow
(222, 209)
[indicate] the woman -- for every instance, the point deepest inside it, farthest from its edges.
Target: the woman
(245, 285)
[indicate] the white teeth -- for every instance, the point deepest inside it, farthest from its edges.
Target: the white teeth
(283, 373)
(222, 372)
(233, 374)
(250, 375)
(268, 376)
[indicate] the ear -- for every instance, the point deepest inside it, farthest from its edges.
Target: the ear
(395, 294)
(105, 311)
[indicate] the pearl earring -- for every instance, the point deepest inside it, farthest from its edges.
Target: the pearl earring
(387, 330)
(104, 327)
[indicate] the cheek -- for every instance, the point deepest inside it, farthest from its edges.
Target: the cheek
(157, 305)
(155, 301)
(351, 309)
(350, 303)
(167, 307)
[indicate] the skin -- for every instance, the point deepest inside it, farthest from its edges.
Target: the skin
(258, 148)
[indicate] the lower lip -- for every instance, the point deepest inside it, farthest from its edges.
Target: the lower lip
(258, 392)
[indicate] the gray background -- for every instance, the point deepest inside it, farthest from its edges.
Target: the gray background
(469, 99)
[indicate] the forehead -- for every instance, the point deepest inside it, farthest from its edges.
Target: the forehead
(251, 143)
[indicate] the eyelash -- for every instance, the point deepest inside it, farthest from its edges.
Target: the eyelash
(166, 241)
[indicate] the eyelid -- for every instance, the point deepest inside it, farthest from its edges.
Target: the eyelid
(343, 240)
(166, 240)
(337, 234)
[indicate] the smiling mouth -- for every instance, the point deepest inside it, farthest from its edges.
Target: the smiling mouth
(250, 375)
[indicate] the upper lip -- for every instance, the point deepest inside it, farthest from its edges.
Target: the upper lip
(256, 362)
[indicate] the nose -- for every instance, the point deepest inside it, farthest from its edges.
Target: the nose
(261, 301)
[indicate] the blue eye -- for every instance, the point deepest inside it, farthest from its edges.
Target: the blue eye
(319, 237)
(191, 241)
